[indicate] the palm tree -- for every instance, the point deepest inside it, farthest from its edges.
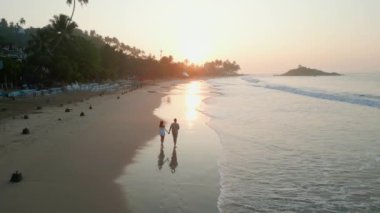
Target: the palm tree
(62, 26)
(39, 42)
(38, 51)
(22, 21)
(61, 29)
(68, 21)
(69, 2)
(3, 23)
(108, 40)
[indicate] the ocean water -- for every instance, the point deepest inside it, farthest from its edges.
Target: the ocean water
(263, 144)
(297, 144)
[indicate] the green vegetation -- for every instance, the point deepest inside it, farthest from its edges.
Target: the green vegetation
(305, 71)
(60, 53)
(69, 2)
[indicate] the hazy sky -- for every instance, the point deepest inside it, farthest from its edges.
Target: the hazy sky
(261, 35)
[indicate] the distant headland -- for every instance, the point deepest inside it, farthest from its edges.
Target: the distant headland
(305, 71)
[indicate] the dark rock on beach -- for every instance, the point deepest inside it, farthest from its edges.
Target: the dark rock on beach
(16, 177)
(25, 131)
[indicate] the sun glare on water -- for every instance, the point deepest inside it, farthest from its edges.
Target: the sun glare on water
(193, 100)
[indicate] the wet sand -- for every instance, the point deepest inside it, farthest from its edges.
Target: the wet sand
(70, 165)
(184, 178)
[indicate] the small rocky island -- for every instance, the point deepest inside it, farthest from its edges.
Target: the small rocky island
(305, 71)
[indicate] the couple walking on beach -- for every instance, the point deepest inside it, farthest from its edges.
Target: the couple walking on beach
(174, 127)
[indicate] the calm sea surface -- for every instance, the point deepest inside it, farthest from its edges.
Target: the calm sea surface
(297, 144)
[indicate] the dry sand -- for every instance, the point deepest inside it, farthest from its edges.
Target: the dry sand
(26, 105)
(70, 165)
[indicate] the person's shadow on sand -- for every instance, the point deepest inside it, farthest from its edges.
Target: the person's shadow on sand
(173, 162)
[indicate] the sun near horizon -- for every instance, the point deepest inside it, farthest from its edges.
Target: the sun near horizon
(261, 36)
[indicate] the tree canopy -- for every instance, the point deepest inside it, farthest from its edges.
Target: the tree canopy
(60, 53)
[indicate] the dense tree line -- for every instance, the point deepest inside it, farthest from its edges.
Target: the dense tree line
(61, 53)
(12, 32)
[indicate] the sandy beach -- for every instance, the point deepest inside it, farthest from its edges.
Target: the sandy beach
(69, 162)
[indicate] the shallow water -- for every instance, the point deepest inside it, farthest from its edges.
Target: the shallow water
(287, 149)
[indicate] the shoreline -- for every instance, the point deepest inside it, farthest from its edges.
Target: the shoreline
(181, 178)
(71, 165)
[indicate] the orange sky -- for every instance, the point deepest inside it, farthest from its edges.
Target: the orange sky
(262, 36)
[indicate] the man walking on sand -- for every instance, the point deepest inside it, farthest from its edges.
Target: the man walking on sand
(174, 127)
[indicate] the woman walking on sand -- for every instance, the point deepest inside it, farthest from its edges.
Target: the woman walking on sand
(162, 131)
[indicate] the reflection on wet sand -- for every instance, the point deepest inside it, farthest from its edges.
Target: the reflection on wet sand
(156, 168)
(161, 157)
(173, 162)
